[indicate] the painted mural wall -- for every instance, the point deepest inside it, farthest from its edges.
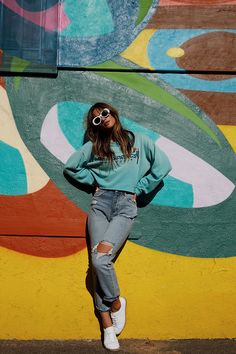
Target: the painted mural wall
(169, 68)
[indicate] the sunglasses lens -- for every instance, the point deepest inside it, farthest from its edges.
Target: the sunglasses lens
(105, 112)
(96, 120)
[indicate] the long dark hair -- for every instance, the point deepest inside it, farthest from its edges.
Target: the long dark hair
(101, 139)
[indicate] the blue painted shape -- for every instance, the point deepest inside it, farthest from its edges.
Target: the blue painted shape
(13, 179)
(187, 82)
(175, 194)
(71, 117)
(90, 50)
(88, 18)
(162, 40)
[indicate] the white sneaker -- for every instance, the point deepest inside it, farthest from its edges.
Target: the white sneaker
(110, 340)
(118, 317)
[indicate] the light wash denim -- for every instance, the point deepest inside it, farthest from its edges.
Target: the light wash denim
(110, 220)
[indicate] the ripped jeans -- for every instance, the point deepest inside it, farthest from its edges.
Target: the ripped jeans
(110, 220)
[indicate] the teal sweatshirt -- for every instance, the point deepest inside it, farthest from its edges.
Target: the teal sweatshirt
(141, 173)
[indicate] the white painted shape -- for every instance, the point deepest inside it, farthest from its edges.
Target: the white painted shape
(53, 138)
(210, 187)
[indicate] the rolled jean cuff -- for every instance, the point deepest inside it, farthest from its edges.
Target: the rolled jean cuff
(106, 305)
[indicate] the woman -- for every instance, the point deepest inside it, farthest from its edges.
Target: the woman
(121, 166)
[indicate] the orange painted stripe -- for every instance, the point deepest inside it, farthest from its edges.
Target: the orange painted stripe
(47, 212)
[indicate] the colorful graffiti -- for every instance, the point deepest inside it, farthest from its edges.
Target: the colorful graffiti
(182, 246)
(68, 33)
(195, 145)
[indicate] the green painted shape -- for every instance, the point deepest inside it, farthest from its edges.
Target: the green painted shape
(150, 89)
(18, 65)
(144, 6)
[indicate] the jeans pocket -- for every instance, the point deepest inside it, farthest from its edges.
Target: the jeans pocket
(131, 198)
(95, 199)
(129, 206)
(99, 192)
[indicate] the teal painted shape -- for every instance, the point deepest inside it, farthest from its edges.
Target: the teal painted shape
(71, 120)
(175, 194)
(88, 18)
(13, 179)
(138, 128)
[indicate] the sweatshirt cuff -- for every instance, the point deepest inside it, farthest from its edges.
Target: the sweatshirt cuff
(137, 191)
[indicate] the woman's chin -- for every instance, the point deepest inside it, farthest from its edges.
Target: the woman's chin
(107, 127)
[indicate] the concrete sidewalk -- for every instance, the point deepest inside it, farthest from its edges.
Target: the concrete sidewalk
(128, 346)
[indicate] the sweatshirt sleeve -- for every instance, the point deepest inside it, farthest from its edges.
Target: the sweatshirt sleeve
(76, 166)
(159, 167)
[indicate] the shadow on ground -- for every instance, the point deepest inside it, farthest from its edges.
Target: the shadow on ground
(128, 346)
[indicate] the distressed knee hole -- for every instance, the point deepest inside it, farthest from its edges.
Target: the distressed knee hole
(103, 248)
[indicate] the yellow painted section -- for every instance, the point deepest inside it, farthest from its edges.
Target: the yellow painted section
(175, 52)
(168, 296)
(36, 177)
(137, 51)
(229, 132)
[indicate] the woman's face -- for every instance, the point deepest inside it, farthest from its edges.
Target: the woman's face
(108, 122)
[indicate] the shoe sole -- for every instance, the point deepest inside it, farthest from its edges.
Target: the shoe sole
(112, 350)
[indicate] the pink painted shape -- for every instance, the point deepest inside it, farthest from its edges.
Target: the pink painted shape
(51, 19)
(210, 187)
(53, 138)
(196, 2)
(64, 21)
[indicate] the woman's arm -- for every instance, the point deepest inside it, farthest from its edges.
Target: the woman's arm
(76, 167)
(159, 167)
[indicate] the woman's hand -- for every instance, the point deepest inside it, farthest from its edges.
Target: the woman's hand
(135, 197)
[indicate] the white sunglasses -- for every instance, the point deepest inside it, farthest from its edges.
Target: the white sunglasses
(98, 119)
